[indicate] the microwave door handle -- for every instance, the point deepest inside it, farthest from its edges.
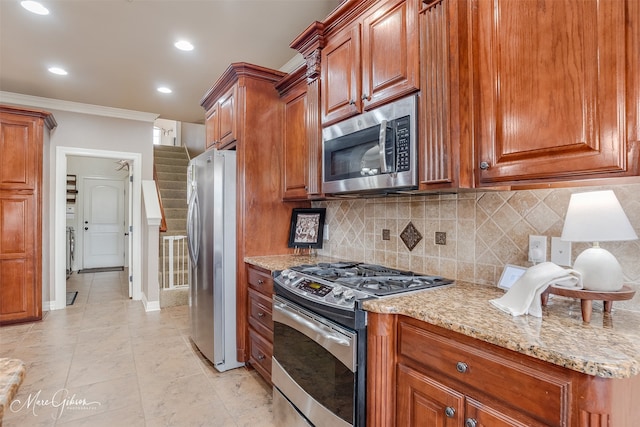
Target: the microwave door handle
(382, 143)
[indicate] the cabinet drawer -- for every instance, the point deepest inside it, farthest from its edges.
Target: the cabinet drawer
(543, 394)
(260, 314)
(260, 280)
(260, 352)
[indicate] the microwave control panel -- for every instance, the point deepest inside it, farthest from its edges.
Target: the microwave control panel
(403, 134)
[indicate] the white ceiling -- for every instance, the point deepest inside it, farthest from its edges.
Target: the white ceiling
(117, 52)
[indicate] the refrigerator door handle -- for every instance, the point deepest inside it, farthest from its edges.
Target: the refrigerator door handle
(193, 227)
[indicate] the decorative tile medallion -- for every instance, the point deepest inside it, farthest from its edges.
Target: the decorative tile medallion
(410, 236)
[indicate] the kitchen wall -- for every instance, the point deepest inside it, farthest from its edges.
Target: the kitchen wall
(484, 231)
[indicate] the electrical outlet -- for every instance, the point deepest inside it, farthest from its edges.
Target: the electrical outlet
(386, 234)
(325, 232)
(560, 252)
(537, 249)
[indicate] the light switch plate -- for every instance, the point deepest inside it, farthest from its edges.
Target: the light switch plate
(560, 252)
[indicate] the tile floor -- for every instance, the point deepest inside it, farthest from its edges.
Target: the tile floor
(104, 361)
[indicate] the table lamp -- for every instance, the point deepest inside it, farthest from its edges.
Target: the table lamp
(597, 217)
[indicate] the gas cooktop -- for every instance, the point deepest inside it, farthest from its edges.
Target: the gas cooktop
(342, 283)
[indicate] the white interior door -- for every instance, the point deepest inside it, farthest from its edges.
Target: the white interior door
(103, 228)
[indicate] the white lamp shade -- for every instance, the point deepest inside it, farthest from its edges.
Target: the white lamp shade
(596, 217)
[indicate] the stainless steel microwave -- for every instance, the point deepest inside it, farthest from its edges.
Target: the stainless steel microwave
(372, 152)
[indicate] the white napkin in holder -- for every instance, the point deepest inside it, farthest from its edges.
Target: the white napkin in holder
(524, 296)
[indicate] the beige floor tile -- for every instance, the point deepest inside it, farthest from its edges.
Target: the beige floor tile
(130, 416)
(142, 368)
(98, 398)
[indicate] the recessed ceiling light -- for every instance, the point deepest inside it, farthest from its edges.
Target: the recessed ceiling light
(59, 71)
(183, 45)
(164, 89)
(34, 7)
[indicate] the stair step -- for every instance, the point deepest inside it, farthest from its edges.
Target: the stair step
(175, 213)
(169, 203)
(177, 224)
(172, 185)
(169, 148)
(173, 194)
(172, 168)
(173, 176)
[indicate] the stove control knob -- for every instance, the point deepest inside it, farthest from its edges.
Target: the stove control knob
(338, 290)
(348, 294)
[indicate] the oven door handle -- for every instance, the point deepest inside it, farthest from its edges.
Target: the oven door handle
(304, 322)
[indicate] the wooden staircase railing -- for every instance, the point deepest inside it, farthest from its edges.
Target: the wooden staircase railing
(163, 223)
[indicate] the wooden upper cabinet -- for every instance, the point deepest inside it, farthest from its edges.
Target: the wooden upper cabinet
(221, 121)
(445, 140)
(228, 117)
(373, 60)
(551, 83)
(390, 52)
(294, 139)
(212, 127)
(341, 76)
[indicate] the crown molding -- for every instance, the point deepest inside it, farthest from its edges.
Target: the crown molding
(75, 107)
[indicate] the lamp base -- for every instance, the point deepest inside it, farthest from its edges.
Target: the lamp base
(600, 270)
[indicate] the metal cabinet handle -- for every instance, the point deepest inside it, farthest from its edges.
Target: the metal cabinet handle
(86, 228)
(260, 314)
(484, 165)
(470, 422)
(364, 97)
(450, 412)
(461, 367)
(260, 282)
(261, 356)
(352, 102)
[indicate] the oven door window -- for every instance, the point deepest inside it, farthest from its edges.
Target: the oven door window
(316, 370)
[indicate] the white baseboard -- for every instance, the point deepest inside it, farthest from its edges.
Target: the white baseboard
(150, 305)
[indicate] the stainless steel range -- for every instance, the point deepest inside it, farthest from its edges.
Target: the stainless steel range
(319, 349)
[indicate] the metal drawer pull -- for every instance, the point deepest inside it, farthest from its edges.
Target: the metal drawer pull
(260, 314)
(261, 357)
(470, 422)
(461, 367)
(260, 282)
(449, 412)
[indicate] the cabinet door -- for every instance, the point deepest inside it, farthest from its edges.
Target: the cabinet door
(19, 159)
(482, 415)
(390, 52)
(20, 290)
(549, 88)
(422, 401)
(341, 76)
(228, 122)
(212, 127)
(296, 153)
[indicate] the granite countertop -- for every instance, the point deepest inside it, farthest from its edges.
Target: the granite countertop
(608, 346)
(12, 373)
(282, 262)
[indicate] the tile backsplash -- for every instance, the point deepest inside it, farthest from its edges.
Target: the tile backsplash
(484, 231)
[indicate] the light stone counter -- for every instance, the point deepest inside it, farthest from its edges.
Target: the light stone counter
(607, 347)
(282, 262)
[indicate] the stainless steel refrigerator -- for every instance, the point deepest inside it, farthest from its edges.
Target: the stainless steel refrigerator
(211, 238)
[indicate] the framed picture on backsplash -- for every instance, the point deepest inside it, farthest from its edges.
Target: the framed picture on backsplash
(307, 226)
(510, 275)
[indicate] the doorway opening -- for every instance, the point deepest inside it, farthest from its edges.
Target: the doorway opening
(58, 258)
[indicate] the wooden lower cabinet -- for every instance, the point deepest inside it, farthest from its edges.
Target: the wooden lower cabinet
(260, 303)
(423, 375)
